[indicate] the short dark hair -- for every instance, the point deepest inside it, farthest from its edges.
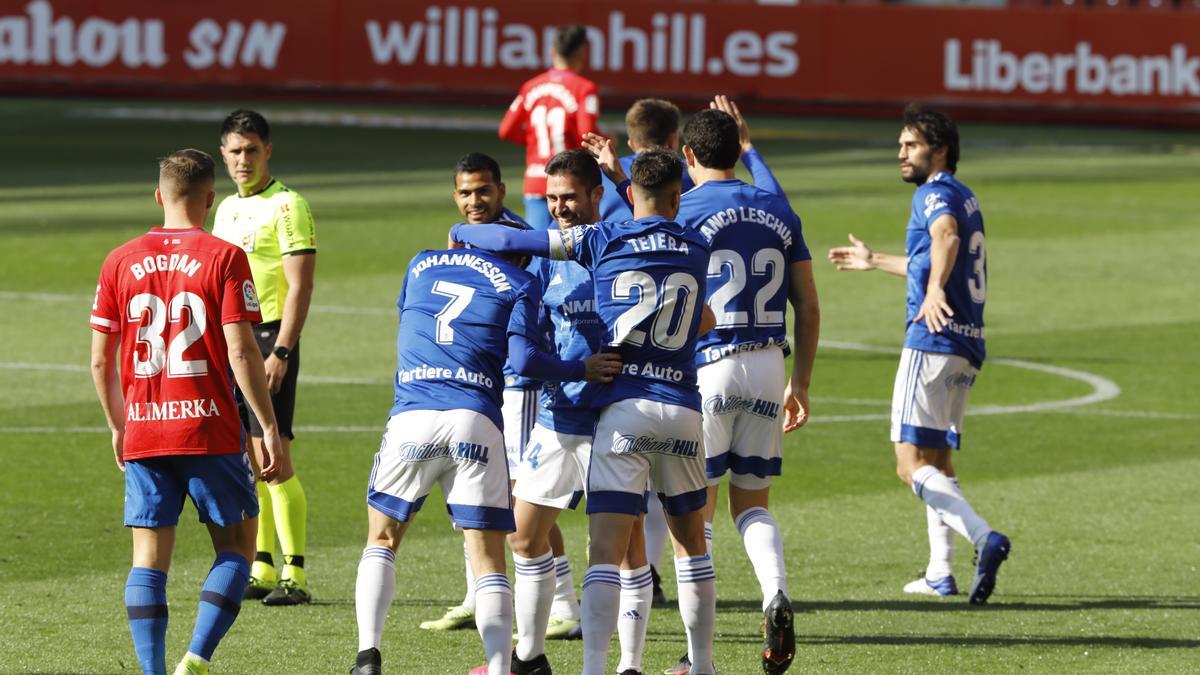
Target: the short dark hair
(655, 170)
(651, 121)
(477, 162)
(579, 164)
(569, 39)
(713, 137)
(243, 121)
(938, 130)
(186, 170)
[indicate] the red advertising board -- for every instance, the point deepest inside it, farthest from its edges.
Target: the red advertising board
(1129, 64)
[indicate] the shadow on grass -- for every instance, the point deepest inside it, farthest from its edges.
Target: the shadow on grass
(1008, 603)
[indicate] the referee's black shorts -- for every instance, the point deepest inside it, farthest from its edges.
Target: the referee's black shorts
(284, 401)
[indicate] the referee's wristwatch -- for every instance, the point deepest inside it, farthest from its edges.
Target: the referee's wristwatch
(282, 353)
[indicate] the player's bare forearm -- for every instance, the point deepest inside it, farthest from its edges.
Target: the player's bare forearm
(858, 257)
(890, 263)
(300, 271)
(106, 378)
(708, 320)
(806, 311)
(246, 362)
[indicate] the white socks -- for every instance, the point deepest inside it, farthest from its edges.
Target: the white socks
(373, 592)
(534, 595)
(764, 546)
(637, 594)
(601, 602)
(943, 496)
(493, 619)
(708, 537)
(655, 529)
(565, 605)
(941, 543)
(698, 608)
(469, 598)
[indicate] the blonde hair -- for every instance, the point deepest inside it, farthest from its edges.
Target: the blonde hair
(185, 172)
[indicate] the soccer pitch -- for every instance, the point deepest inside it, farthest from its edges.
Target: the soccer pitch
(1080, 442)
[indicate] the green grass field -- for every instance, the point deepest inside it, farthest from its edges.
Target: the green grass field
(1093, 252)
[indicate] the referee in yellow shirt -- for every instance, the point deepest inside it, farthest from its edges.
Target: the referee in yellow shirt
(274, 226)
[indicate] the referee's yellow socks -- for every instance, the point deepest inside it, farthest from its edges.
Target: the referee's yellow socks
(291, 519)
(264, 542)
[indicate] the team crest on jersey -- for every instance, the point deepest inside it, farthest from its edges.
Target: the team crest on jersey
(249, 296)
(248, 242)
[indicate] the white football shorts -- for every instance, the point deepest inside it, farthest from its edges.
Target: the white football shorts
(519, 408)
(930, 398)
(742, 397)
(552, 468)
(638, 440)
(461, 450)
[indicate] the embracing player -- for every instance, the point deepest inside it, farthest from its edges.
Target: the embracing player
(552, 112)
(945, 264)
(649, 276)
(461, 313)
(171, 319)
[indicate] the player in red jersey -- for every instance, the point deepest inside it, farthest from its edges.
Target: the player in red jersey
(551, 113)
(171, 318)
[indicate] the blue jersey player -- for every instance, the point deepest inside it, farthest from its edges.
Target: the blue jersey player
(649, 276)
(945, 264)
(759, 261)
(479, 193)
(461, 313)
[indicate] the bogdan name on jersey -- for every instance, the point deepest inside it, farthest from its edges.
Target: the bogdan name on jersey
(472, 453)
(628, 445)
(424, 372)
(659, 241)
(653, 370)
(165, 263)
(722, 405)
(498, 279)
(745, 214)
(172, 410)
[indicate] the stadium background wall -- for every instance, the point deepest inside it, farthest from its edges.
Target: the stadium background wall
(1033, 63)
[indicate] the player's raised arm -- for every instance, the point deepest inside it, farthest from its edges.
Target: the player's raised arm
(759, 171)
(943, 250)
(605, 152)
(859, 257)
(108, 388)
(806, 315)
(246, 362)
(512, 127)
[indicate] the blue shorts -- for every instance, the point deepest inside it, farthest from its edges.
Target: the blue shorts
(221, 487)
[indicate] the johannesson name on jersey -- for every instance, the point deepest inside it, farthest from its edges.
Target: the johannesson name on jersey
(498, 278)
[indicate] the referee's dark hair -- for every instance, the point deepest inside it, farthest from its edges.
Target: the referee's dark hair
(712, 136)
(577, 163)
(938, 130)
(243, 121)
(477, 162)
(656, 172)
(569, 39)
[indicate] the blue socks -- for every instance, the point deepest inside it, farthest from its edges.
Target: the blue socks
(220, 601)
(146, 605)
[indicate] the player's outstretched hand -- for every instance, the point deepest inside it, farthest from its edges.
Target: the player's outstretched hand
(935, 310)
(856, 257)
(271, 456)
(601, 367)
(726, 105)
(795, 408)
(118, 443)
(605, 152)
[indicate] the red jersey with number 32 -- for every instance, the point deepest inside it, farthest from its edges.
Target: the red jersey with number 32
(551, 114)
(168, 293)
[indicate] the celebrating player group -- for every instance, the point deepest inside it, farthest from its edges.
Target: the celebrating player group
(624, 344)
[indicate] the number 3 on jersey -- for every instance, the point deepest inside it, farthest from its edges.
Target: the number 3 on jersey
(151, 334)
(659, 303)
